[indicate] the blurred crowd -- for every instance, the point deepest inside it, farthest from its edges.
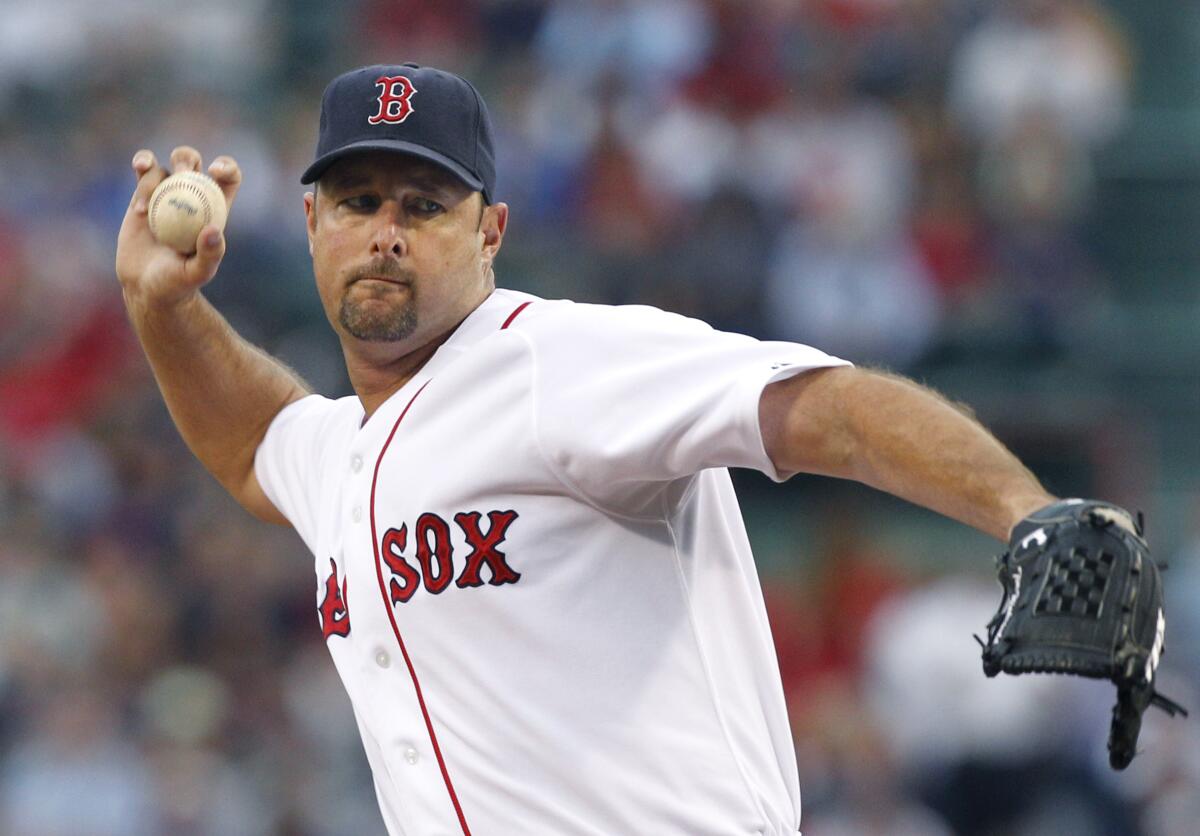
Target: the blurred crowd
(890, 180)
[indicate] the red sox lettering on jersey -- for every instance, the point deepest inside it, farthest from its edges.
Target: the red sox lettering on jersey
(435, 554)
(434, 563)
(395, 100)
(334, 612)
(557, 623)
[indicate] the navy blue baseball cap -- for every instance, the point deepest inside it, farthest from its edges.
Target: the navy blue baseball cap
(409, 109)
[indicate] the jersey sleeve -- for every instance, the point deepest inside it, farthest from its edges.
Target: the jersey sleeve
(289, 459)
(634, 394)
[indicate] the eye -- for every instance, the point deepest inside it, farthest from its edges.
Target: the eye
(361, 202)
(425, 206)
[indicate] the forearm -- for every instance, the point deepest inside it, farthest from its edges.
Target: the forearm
(901, 438)
(222, 392)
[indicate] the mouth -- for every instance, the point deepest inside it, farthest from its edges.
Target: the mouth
(379, 280)
(389, 280)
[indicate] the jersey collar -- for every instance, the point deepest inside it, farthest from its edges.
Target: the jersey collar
(482, 322)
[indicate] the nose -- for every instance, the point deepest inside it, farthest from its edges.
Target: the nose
(388, 239)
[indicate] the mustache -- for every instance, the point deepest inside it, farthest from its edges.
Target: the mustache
(380, 269)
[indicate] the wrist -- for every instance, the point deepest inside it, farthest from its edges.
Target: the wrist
(143, 306)
(1020, 507)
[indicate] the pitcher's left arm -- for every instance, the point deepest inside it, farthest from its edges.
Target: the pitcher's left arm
(900, 437)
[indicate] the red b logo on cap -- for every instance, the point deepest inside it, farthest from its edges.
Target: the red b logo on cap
(394, 104)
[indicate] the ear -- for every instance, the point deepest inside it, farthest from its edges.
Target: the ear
(310, 217)
(492, 227)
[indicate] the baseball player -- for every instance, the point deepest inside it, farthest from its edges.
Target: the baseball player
(531, 570)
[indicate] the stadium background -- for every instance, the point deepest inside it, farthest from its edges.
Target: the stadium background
(998, 197)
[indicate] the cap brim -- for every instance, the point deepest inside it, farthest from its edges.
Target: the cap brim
(314, 171)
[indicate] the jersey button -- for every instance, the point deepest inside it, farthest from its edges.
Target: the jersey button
(356, 514)
(382, 659)
(356, 463)
(412, 756)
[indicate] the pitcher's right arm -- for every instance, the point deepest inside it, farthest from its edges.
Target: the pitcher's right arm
(222, 392)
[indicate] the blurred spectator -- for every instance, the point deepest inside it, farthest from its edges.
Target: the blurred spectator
(51, 622)
(1035, 185)
(948, 225)
(845, 275)
(67, 333)
(1163, 785)
(1038, 84)
(871, 303)
(991, 755)
(1182, 591)
(647, 46)
(441, 34)
(841, 740)
(219, 43)
(1063, 58)
(73, 772)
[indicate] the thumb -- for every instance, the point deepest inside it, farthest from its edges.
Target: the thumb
(210, 249)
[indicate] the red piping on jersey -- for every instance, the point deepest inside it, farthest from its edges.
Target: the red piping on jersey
(514, 315)
(387, 604)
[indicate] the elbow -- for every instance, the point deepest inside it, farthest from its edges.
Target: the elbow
(804, 425)
(833, 454)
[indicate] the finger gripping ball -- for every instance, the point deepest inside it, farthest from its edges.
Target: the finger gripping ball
(182, 205)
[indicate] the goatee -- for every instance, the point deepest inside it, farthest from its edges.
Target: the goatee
(374, 323)
(368, 316)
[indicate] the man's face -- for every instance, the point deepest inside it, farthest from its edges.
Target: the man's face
(402, 250)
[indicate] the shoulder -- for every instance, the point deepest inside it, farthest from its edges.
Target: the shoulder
(564, 320)
(318, 415)
(320, 407)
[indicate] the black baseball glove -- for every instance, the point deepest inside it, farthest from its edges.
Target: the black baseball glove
(1082, 596)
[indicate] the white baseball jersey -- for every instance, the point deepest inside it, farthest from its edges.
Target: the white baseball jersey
(534, 579)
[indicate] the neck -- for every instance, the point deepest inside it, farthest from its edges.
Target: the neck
(376, 370)
(375, 381)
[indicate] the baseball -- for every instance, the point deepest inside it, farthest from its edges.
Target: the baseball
(182, 205)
